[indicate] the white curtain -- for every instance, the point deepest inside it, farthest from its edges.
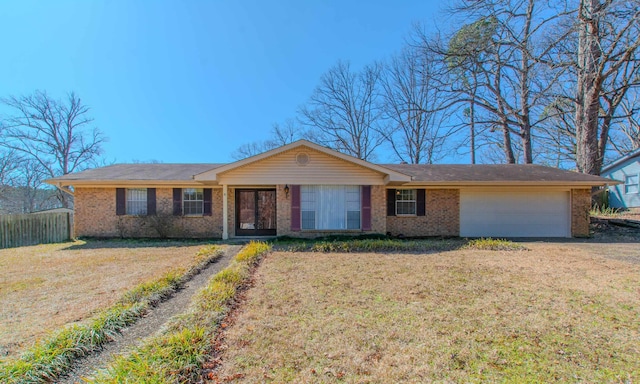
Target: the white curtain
(328, 204)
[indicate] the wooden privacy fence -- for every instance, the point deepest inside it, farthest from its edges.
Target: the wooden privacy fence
(30, 229)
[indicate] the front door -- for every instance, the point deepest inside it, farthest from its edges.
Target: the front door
(255, 212)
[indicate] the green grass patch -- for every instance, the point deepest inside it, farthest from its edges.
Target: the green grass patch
(602, 210)
(52, 356)
(175, 356)
(490, 244)
(381, 244)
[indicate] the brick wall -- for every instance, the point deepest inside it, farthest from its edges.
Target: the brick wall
(283, 210)
(378, 209)
(580, 206)
(95, 210)
(442, 216)
(231, 212)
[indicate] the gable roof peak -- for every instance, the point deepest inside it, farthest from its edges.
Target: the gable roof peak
(393, 175)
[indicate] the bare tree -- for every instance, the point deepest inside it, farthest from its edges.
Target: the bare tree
(625, 135)
(419, 127)
(343, 113)
(503, 61)
(281, 134)
(607, 44)
(55, 134)
(9, 164)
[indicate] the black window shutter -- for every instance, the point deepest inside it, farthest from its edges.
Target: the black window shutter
(206, 193)
(420, 202)
(151, 201)
(177, 201)
(296, 218)
(121, 202)
(391, 202)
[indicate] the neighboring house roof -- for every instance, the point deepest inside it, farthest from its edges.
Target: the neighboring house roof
(621, 161)
(461, 174)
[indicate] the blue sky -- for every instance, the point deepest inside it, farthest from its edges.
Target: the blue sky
(190, 81)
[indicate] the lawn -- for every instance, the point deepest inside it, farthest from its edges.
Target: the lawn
(555, 312)
(47, 286)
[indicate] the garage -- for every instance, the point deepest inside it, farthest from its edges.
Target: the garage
(500, 213)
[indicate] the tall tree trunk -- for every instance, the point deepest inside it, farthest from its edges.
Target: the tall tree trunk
(472, 127)
(506, 141)
(525, 89)
(588, 159)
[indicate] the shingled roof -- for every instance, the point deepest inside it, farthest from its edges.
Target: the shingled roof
(141, 172)
(424, 174)
(493, 173)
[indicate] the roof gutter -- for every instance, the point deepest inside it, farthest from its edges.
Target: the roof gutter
(510, 183)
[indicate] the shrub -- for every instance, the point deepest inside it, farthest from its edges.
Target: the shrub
(489, 244)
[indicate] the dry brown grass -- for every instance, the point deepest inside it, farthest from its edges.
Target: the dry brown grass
(44, 287)
(553, 313)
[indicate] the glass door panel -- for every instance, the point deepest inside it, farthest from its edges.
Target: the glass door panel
(247, 209)
(256, 212)
(266, 209)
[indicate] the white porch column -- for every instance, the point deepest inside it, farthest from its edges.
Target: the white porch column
(225, 213)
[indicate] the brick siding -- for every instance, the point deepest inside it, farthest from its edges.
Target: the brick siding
(442, 216)
(95, 216)
(580, 206)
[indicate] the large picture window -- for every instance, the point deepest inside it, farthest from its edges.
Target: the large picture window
(330, 207)
(137, 201)
(405, 202)
(192, 202)
(631, 184)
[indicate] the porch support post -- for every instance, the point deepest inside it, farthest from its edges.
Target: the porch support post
(225, 212)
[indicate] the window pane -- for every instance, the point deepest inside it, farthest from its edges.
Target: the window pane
(406, 202)
(631, 184)
(137, 201)
(308, 220)
(353, 219)
(192, 201)
(406, 208)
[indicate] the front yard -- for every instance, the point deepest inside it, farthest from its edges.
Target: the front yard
(555, 312)
(47, 286)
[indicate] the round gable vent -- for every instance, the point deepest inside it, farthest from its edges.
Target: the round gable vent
(302, 158)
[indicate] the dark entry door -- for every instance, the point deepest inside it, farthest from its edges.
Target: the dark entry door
(255, 212)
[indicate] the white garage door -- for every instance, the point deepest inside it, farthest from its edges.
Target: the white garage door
(514, 214)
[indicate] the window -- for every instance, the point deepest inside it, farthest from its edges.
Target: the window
(631, 184)
(330, 207)
(405, 202)
(192, 202)
(137, 201)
